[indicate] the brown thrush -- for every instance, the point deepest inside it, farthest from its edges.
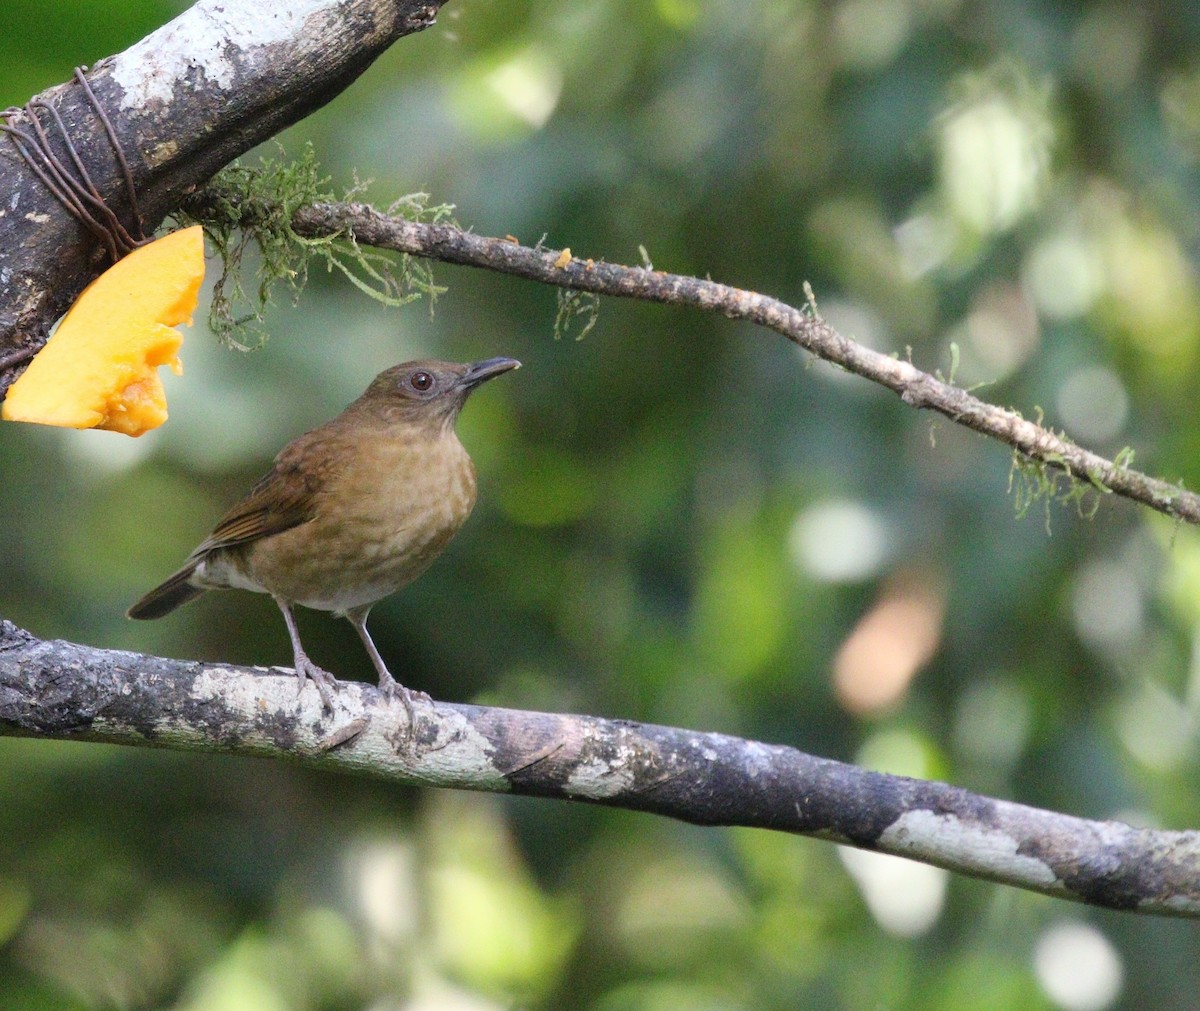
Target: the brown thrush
(349, 512)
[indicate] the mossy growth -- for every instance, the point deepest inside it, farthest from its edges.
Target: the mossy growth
(572, 305)
(253, 205)
(1031, 481)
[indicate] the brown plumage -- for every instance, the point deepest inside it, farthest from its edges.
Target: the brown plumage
(350, 512)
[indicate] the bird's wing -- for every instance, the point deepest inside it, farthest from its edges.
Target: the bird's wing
(284, 498)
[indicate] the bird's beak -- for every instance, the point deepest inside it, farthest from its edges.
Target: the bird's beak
(481, 372)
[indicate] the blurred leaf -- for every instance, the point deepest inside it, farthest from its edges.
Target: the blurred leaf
(492, 926)
(740, 614)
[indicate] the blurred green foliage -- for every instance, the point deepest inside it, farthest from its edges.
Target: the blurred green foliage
(680, 521)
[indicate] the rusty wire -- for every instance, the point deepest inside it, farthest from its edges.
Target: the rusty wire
(71, 185)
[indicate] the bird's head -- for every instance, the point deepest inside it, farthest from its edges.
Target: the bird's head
(430, 391)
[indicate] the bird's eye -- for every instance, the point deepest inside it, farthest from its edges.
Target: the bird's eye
(420, 381)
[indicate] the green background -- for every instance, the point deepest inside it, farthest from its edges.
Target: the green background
(680, 520)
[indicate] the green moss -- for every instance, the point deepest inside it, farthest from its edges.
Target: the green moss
(571, 305)
(253, 205)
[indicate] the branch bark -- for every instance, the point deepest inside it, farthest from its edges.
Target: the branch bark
(56, 689)
(803, 327)
(184, 101)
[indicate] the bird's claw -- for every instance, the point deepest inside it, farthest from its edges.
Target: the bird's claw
(393, 690)
(326, 683)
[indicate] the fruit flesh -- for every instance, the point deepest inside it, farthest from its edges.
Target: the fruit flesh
(99, 369)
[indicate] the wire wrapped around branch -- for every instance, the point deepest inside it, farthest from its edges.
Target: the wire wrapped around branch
(72, 185)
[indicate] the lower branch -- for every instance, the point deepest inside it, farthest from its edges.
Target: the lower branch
(802, 326)
(63, 690)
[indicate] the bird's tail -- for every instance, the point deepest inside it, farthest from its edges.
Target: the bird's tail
(167, 596)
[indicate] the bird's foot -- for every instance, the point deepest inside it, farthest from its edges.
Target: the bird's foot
(393, 689)
(326, 683)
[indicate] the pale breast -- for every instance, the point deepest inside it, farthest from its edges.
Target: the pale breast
(379, 522)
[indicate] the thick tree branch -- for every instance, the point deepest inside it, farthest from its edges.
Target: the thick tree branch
(801, 326)
(184, 101)
(59, 689)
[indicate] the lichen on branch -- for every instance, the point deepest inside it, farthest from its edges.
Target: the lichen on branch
(247, 207)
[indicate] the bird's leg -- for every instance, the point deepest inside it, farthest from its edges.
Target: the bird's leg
(387, 684)
(305, 668)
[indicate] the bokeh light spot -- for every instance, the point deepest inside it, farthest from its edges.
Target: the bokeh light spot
(1107, 606)
(1093, 404)
(906, 898)
(1078, 967)
(995, 153)
(839, 541)
(890, 644)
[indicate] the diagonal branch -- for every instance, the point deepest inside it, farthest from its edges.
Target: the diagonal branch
(63, 690)
(177, 106)
(801, 326)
